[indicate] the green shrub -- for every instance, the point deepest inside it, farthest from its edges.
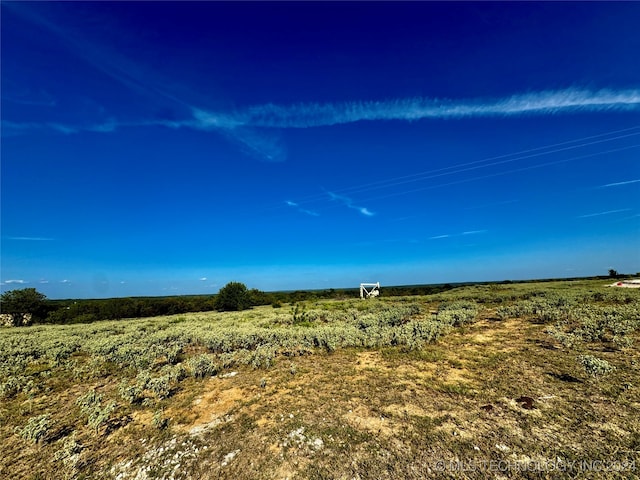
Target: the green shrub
(568, 339)
(70, 450)
(457, 313)
(232, 297)
(36, 428)
(504, 313)
(595, 366)
(202, 366)
(91, 406)
(263, 356)
(298, 313)
(12, 386)
(622, 341)
(132, 394)
(159, 421)
(161, 387)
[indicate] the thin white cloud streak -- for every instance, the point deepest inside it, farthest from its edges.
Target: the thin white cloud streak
(302, 210)
(319, 115)
(349, 203)
(203, 279)
(311, 115)
(449, 235)
(19, 282)
(617, 184)
(41, 99)
(608, 212)
(104, 59)
(17, 128)
(31, 239)
(130, 74)
(262, 145)
(240, 126)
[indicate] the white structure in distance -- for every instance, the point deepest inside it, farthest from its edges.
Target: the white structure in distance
(368, 290)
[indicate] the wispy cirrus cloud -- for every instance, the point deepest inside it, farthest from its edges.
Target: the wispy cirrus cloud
(349, 203)
(308, 115)
(31, 239)
(608, 212)
(15, 281)
(10, 128)
(618, 184)
(461, 234)
(266, 146)
(254, 128)
(24, 96)
(302, 210)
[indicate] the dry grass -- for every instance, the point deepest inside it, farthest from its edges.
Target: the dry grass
(492, 391)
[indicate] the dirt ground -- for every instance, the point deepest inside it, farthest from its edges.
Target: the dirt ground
(494, 399)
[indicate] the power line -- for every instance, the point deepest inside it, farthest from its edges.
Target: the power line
(439, 172)
(479, 164)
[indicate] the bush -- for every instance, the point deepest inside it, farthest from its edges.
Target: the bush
(233, 296)
(202, 366)
(131, 393)
(36, 428)
(458, 313)
(159, 421)
(23, 305)
(91, 406)
(595, 366)
(70, 451)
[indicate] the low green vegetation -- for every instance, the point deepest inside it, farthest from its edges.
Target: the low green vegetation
(380, 388)
(232, 297)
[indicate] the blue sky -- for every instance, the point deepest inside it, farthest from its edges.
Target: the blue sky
(168, 148)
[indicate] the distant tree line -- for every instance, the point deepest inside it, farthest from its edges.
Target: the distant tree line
(233, 296)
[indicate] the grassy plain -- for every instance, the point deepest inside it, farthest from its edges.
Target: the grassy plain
(536, 380)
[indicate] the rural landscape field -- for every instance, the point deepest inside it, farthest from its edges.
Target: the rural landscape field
(531, 380)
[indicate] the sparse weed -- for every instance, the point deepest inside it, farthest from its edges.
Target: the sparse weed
(70, 450)
(159, 421)
(298, 314)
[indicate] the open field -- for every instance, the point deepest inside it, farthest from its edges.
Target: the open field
(511, 381)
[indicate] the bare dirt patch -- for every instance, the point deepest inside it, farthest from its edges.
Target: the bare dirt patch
(212, 407)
